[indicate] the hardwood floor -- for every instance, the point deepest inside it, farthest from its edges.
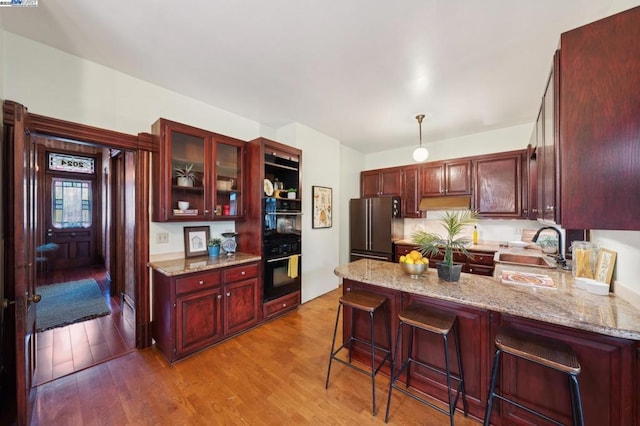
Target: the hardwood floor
(65, 350)
(271, 375)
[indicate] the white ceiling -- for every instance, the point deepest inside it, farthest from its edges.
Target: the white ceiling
(356, 70)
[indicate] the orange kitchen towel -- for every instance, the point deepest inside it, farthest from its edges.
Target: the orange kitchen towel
(292, 271)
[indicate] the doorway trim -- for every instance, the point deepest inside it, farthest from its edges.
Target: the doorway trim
(142, 145)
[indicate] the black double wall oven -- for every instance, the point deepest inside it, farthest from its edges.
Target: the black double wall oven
(282, 247)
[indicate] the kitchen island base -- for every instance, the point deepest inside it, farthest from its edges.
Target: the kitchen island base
(608, 381)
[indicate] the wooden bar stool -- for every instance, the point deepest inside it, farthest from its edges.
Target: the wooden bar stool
(428, 319)
(540, 350)
(367, 302)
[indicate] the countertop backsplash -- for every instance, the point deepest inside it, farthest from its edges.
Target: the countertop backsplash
(488, 229)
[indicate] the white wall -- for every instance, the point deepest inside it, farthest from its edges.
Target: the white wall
(320, 167)
(351, 163)
(506, 139)
(53, 83)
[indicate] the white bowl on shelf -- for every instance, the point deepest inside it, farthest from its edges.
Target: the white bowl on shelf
(183, 205)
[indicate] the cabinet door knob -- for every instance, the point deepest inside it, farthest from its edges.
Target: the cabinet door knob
(228, 294)
(242, 273)
(219, 296)
(201, 282)
(284, 305)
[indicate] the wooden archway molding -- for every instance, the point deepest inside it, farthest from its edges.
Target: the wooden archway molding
(142, 145)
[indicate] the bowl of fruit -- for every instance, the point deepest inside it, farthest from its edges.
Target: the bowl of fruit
(414, 264)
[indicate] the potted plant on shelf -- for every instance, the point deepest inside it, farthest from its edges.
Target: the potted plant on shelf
(291, 193)
(431, 244)
(186, 176)
(213, 247)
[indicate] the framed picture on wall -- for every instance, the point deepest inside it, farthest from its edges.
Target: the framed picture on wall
(195, 240)
(321, 203)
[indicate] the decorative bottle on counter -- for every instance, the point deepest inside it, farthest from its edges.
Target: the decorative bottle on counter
(475, 235)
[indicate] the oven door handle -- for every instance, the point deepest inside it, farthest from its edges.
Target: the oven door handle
(282, 258)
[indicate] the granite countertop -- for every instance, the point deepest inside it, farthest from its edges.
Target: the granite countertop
(174, 267)
(565, 305)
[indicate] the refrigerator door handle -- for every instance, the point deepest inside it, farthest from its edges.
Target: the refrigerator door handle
(369, 224)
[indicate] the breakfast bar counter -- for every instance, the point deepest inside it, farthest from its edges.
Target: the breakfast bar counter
(563, 305)
(603, 331)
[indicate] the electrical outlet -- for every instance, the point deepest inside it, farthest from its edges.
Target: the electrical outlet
(162, 238)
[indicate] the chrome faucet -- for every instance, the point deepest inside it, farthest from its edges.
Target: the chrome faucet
(560, 260)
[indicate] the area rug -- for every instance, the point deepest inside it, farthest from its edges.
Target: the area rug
(67, 303)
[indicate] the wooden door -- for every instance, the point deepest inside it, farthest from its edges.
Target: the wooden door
(74, 235)
(198, 320)
(21, 182)
(370, 183)
(411, 192)
(498, 183)
(241, 306)
(431, 180)
(458, 178)
(391, 182)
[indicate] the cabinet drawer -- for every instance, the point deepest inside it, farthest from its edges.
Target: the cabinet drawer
(242, 272)
(482, 258)
(197, 282)
(280, 305)
(479, 269)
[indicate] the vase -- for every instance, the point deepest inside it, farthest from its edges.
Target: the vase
(214, 251)
(291, 195)
(183, 181)
(449, 273)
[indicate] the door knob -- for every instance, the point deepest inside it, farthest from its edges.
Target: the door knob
(34, 298)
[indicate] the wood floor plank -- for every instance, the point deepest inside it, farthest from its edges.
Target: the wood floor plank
(271, 375)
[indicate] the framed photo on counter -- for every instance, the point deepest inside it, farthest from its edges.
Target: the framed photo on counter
(195, 240)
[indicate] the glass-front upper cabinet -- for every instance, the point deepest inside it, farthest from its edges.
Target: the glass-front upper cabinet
(229, 154)
(197, 175)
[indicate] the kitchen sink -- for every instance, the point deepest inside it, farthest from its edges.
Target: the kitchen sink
(524, 260)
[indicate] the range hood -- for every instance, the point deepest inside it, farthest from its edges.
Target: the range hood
(445, 203)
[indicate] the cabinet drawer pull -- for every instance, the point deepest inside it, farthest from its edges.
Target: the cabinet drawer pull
(284, 305)
(201, 282)
(243, 273)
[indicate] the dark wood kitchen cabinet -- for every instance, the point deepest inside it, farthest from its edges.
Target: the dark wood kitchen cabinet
(194, 311)
(599, 132)
(498, 185)
(549, 203)
(216, 163)
(241, 298)
(268, 159)
(381, 182)
(606, 378)
(445, 178)
(411, 192)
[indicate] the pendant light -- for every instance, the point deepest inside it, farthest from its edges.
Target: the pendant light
(420, 154)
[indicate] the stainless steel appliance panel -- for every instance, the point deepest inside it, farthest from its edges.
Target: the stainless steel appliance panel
(374, 224)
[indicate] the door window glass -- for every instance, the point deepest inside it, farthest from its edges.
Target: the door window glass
(71, 203)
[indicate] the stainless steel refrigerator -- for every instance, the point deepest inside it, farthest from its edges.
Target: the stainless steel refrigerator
(374, 224)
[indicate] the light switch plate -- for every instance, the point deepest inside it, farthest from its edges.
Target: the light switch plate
(162, 238)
